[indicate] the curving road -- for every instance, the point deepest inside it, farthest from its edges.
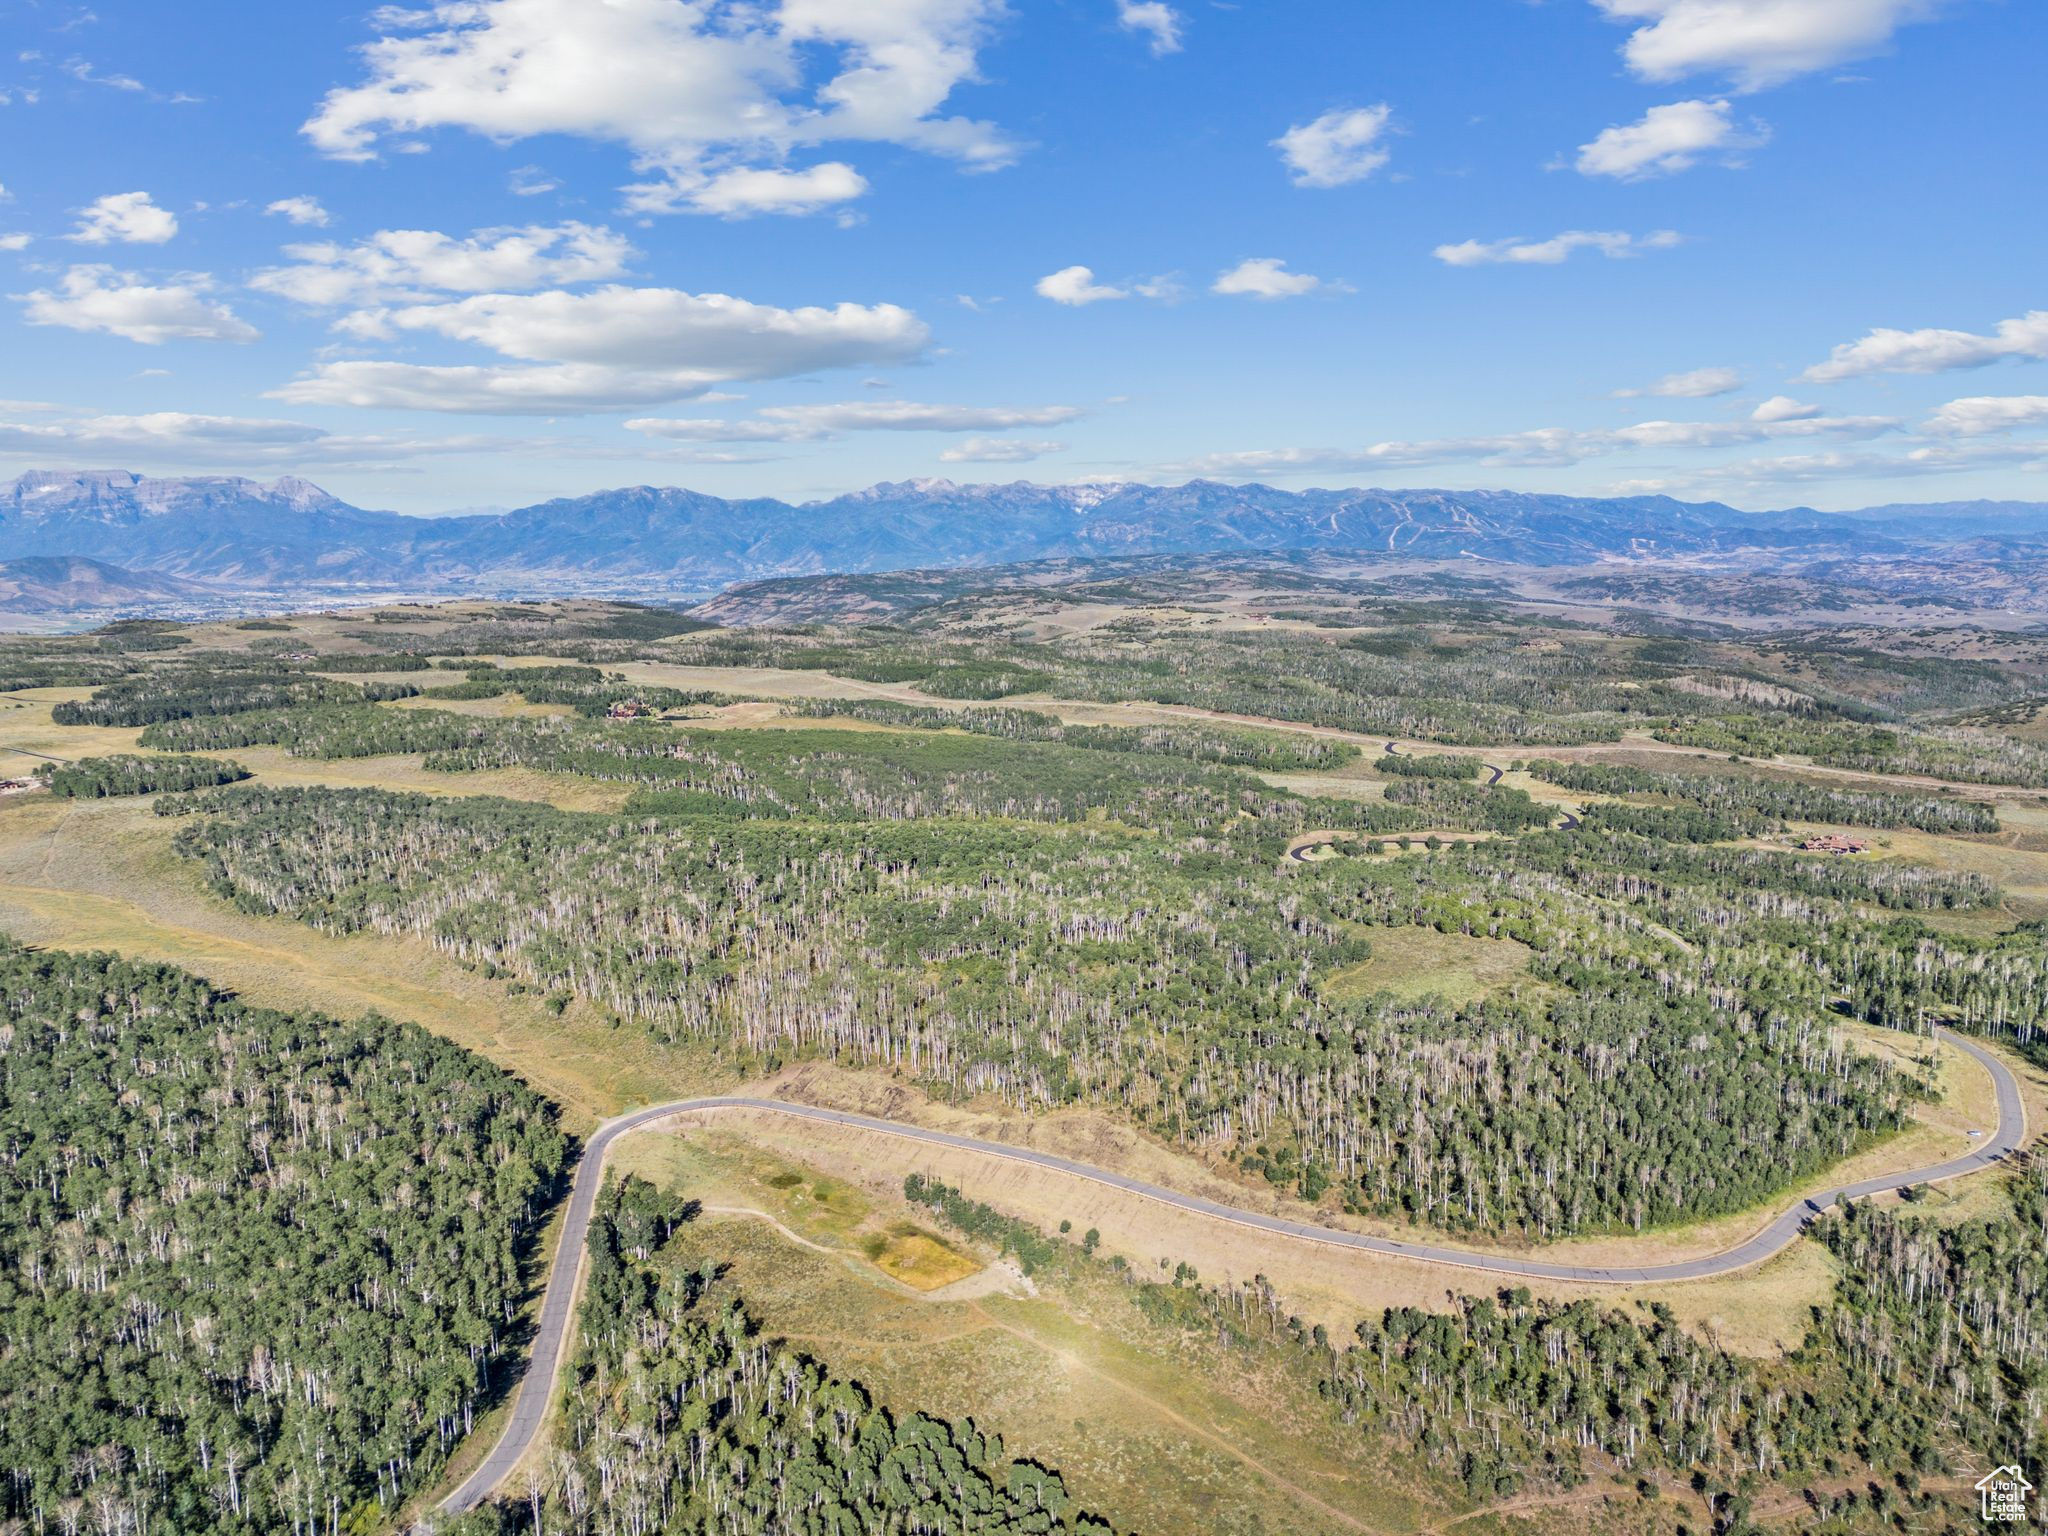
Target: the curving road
(551, 1337)
(1301, 855)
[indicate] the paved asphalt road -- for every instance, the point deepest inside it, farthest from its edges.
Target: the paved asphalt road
(551, 1339)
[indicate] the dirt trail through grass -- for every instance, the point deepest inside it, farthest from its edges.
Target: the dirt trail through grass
(1072, 1362)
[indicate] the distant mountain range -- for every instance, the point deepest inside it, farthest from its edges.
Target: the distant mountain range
(231, 534)
(74, 584)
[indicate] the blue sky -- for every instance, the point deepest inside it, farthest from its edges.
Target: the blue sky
(1772, 252)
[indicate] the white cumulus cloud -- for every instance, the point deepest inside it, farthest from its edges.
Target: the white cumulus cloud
(1077, 286)
(1001, 450)
(1756, 43)
(1548, 253)
(99, 298)
(1267, 277)
(1934, 351)
(1159, 22)
(126, 218)
(1977, 415)
(1669, 139)
(815, 423)
(1694, 384)
(1784, 408)
(604, 349)
(1340, 147)
(301, 210)
(694, 90)
(748, 190)
(395, 264)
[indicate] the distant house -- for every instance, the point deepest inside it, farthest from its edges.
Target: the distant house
(628, 709)
(19, 786)
(1834, 842)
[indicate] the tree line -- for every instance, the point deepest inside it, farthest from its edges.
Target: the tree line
(99, 778)
(257, 1270)
(1753, 801)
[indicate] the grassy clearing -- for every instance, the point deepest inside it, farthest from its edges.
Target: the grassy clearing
(506, 706)
(100, 875)
(1160, 1431)
(565, 791)
(28, 729)
(1343, 784)
(1414, 963)
(2021, 872)
(28, 734)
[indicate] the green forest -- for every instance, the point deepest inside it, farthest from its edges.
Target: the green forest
(100, 778)
(1189, 979)
(260, 1271)
(1937, 1338)
(265, 1271)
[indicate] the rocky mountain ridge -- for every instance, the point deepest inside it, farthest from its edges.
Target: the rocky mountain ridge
(232, 533)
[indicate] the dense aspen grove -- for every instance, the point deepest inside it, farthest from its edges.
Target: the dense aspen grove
(325, 731)
(1772, 941)
(1484, 694)
(1454, 803)
(861, 776)
(1427, 765)
(1753, 803)
(256, 1270)
(198, 691)
(1177, 972)
(100, 778)
(588, 690)
(681, 1419)
(21, 668)
(1267, 751)
(1933, 1347)
(1954, 752)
